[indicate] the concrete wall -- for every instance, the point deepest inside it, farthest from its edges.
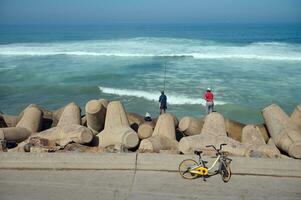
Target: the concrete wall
(142, 161)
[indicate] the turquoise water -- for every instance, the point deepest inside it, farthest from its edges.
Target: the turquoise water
(247, 66)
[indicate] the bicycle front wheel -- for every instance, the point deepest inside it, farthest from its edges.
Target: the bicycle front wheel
(184, 168)
(225, 172)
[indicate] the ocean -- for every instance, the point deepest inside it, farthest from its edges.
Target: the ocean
(248, 67)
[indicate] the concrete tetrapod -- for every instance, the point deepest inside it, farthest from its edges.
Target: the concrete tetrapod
(66, 134)
(135, 120)
(31, 119)
(283, 131)
(117, 129)
(234, 129)
(251, 136)
(263, 131)
(29, 123)
(271, 143)
(296, 116)
(96, 114)
(146, 130)
(213, 133)
(16, 134)
(187, 145)
(163, 138)
(70, 115)
(9, 120)
(68, 128)
(190, 125)
(214, 125)
(175, 120)
(253, 140)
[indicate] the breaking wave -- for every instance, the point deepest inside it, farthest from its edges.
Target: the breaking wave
(173, 99)
(159, 47)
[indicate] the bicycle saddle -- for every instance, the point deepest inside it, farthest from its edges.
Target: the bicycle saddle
(198, 152)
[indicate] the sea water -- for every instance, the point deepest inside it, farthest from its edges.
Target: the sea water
(248, 67)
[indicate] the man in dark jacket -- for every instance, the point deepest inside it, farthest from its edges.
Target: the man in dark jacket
(163, 102)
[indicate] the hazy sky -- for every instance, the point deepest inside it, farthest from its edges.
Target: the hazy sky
(148, 11)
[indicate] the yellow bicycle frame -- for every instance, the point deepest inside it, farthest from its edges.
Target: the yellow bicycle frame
(203, 171)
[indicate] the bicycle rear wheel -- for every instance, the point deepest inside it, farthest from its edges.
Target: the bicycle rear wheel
(225, 172)
(184, 168)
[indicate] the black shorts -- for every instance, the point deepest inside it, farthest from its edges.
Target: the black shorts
(163, 107)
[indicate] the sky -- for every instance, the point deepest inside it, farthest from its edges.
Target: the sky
(149, 11)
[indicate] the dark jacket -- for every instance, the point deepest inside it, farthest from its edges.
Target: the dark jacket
(163, 101)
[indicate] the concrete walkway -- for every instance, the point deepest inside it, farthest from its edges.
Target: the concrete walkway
(128, 184)
(141, 161)
(36, 176)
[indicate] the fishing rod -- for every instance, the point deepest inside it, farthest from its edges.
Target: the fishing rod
(164, 75)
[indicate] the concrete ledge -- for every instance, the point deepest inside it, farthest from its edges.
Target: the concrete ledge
(240, 165)
(142, 161)
(77, 161)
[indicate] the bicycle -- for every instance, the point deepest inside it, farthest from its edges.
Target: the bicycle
(191, 169)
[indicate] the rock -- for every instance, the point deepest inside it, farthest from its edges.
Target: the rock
(283, 131)
(163, 138)
(79, 148)
(117, 129)
(38, 149)
(190, 125)
(3, 145)
(96, 114)
(38, 141)
(116, 149)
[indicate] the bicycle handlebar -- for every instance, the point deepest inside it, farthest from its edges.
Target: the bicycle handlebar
(220, 147)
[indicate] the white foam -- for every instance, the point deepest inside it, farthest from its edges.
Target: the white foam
(159, 47)
(173, 99)
(8, 68)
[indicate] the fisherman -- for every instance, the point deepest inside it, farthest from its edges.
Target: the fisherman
(147, 117)
(208, 96)
(162, 102)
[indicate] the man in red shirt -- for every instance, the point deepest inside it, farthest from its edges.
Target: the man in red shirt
(208, 96)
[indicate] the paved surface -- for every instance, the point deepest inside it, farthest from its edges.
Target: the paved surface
(141, 161)
(129, 184)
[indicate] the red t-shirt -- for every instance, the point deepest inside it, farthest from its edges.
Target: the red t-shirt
(208, 96)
